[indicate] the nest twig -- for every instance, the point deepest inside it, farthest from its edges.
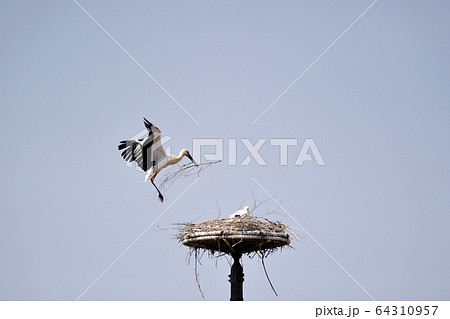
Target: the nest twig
(185, 170)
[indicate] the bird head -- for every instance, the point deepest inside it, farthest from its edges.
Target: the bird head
(186, 153)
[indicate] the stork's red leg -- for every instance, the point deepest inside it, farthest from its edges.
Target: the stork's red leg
(160, 196)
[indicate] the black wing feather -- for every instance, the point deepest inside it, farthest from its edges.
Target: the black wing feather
(148, 126)
(138, 151)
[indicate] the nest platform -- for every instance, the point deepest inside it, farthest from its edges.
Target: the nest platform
(235, 236)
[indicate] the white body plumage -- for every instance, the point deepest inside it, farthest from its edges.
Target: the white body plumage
(240, 213)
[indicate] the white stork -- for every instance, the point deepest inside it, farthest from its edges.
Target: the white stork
(240, 213)
(149, 154)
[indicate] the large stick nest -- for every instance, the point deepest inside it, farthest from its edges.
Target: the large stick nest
(242, 235)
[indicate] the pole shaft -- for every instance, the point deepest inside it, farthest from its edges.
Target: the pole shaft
(236, 279)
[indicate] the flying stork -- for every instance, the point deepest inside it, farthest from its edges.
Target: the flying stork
(149, 154)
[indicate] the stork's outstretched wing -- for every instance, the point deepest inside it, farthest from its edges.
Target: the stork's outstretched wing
(146, 152)
(153, 130)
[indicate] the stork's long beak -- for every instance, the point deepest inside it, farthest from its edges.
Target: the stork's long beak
(190, 157)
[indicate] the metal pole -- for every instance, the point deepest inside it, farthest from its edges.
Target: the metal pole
(236, 279)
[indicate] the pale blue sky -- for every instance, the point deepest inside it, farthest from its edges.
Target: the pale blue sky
(376, 105)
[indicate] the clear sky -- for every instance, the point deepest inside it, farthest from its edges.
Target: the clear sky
(376, 105)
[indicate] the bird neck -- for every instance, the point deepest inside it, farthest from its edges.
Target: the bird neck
(176, 159)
